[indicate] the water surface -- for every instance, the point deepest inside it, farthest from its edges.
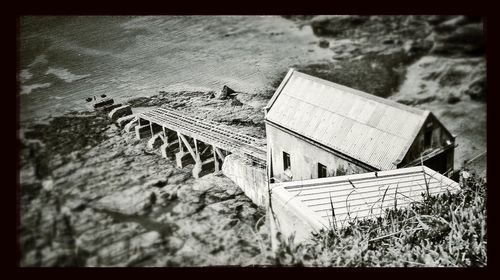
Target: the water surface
(63, 60)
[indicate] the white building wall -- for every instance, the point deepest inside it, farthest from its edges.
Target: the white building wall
(304, 157)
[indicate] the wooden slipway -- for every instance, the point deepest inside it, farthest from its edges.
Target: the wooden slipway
(208, 132)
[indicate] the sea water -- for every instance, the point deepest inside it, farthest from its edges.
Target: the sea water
(64, 60)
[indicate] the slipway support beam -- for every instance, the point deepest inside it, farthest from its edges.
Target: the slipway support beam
(216, 161)
(219, 153)
(194, 154)
(153, 139)
(188, 146)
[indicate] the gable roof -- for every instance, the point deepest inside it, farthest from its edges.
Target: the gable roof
(373, 130)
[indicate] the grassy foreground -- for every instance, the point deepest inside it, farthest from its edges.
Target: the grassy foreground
(444, 230)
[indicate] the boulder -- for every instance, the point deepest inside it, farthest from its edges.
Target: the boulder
(144, 240)
(104, 103)
(129, 202)
(119, 112)
(324, 43)
(158, 183)
(224, 93)
(48, 184)
(175, 242)
(388, 41)
(453, 99)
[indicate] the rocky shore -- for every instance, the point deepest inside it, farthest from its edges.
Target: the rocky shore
(91, 195)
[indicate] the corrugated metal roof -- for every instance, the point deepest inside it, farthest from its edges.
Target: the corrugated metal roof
(373, 130)
(365, 196)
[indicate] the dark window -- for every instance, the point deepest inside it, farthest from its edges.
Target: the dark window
(286, 161)
(321, 170)
(428, 137)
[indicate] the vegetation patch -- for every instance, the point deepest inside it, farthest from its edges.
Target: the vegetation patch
(444, 230)
(373, 73)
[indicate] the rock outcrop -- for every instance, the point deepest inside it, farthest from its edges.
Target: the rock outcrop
(459, 37)
(132, 201)
(335, 25)
(225, 93)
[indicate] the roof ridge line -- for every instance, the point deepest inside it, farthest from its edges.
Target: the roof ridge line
(278, 91)
(407, 147)
(398, 136)
(364, 94)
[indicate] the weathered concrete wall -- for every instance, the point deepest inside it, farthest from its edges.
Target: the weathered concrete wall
(123, 121)
(289, 217)
(251, 179)
(119, 112)
(304, 158)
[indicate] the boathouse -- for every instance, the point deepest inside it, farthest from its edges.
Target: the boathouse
(316, 128)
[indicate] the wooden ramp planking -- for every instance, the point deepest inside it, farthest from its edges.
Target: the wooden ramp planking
(208, 132)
